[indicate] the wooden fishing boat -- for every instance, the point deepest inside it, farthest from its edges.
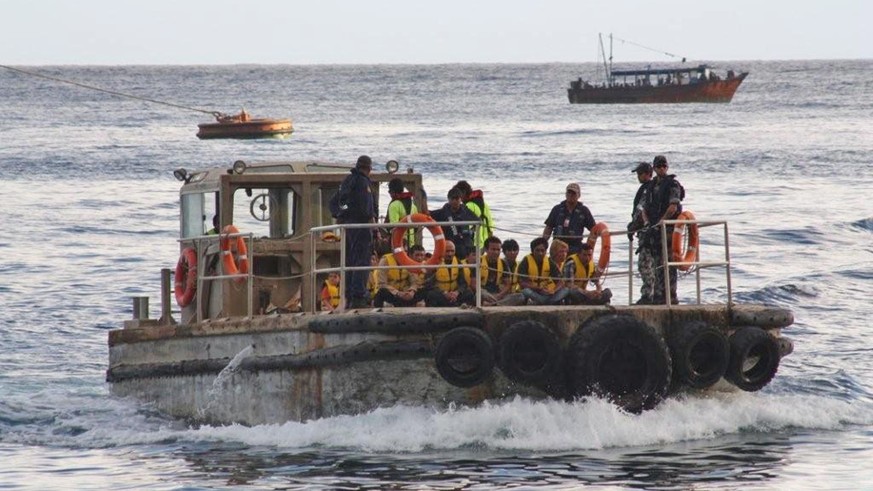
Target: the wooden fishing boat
(679, 84)
(242, 126)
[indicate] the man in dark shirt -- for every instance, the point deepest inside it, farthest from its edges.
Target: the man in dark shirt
(569, 219)
(645, 262)
(662, 202)
(455, 211)
(359, 241)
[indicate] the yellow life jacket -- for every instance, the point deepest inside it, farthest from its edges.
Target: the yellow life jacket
(513, 279)
(334, 293)
(582, 273)
(541, 279)
(397, 278)
(485, 271)
(447, 278)
(373, 282)
(468, 274)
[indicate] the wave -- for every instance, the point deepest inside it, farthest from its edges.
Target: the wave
(789, 293)
(517, 424)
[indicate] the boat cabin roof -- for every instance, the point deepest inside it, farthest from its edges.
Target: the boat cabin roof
(660, 71)
(210, 179)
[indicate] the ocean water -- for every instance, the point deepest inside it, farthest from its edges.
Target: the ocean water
(89, 206)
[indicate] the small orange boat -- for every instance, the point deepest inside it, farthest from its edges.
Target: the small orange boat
(243, 126)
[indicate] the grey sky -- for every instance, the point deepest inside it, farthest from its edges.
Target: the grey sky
(36, 32)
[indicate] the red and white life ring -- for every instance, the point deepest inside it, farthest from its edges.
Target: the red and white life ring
(240, 265)
(436, 231)
(602, 231)
(680, 252)
(185, 277)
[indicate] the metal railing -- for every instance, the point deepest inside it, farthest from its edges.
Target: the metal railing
(697, 263)
(342, 268)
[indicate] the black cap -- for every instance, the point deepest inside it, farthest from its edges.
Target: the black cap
(364, 161)
(660, 159)
(642, 167)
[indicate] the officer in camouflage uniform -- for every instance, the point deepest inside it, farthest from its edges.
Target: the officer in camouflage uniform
(646, 262)
(662, 202)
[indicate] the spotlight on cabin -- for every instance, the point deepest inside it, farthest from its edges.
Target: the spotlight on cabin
(181, 174)
(239, 167)
(392, 166)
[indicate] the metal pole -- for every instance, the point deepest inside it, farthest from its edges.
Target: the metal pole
(727, 259)
(251, 274)
(664, 260)
(630, 273)
(478, 268)
(166, 281)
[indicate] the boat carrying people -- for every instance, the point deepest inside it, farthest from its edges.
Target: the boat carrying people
(250, 346)
(699, 83)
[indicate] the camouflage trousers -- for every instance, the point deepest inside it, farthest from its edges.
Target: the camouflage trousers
(651, 268)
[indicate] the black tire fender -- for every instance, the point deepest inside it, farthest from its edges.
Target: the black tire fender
(754, 358)
(700, 354)
(622, 359)
(529, 353)
(464, 356)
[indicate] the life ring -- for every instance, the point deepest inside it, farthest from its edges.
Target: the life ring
(754, 358)
(700, 354)
(436, 231)
(226, 244)
(690, 253)
(465, 356)
(622, 359)
(602, 231)
(529, 353)
(186, 277)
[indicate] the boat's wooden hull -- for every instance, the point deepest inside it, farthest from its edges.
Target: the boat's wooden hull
(272, 369)
(709, 91)
(255, 128)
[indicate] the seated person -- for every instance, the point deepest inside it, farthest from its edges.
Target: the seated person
(538, 276)
(494, 273)
(558, 252)
(510, 255)
(446, 287)
(330, 294)
(399, 287)
(578, 271)
(373, 278)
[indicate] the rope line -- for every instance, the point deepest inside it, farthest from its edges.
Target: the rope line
(648, 48)
(113, 92)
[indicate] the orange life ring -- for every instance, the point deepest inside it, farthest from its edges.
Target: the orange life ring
(690, 253)
(436, 231)
(231, 265)
(186, 277)
(602, 231)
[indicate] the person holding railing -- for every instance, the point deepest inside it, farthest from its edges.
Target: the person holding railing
(645, 261)
(663, 202)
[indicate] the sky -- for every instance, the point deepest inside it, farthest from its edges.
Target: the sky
(201, 32)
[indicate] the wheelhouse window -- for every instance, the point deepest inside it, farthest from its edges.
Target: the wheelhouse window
(198, 210)
(266, 212)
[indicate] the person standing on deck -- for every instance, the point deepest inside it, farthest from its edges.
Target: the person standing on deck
(474, 200)
(662, 202)
(455, 211)
(400, 206)
(645, 262)
(569, 219)
(356, 205)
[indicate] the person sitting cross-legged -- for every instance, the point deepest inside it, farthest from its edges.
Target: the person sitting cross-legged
(398, 286)
(446, 287)
(579, 270)
(538, 276)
